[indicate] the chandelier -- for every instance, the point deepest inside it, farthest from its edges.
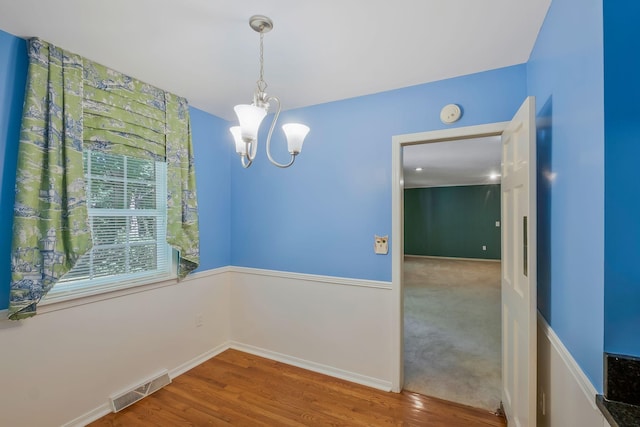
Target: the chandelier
(250, 117)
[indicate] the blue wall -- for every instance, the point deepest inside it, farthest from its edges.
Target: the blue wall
(565, 73)
(622, 192)
(212, 155)
(13, 75)
(320, 216)
(212, 166)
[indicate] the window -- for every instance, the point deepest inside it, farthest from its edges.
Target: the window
(127, 207)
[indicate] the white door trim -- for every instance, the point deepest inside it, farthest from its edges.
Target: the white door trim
(397, 231)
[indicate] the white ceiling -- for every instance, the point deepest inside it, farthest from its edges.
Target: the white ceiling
(460, 162)
(317, 52)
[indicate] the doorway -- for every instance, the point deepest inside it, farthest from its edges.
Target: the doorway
(519, 264)
(397, 215)
(451, 265)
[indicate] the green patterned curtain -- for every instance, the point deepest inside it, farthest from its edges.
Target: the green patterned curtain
(125, 116)
(72, 103)
(50, 229)
(182, 203)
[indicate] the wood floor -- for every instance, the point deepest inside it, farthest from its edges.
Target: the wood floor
(236, 388)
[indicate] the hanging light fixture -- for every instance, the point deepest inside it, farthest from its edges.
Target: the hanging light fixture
(250, 117)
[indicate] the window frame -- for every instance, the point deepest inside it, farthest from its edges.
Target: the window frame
(81, 288)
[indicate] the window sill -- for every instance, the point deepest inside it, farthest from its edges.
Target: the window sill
(63, 301)
(55, 304)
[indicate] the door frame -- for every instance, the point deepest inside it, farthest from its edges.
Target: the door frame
(397, 227)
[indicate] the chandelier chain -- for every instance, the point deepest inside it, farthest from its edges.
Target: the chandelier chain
(262, 85)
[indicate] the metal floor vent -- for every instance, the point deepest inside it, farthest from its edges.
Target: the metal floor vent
(127, 398)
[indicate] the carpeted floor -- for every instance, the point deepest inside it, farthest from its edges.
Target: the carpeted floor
(452, 330)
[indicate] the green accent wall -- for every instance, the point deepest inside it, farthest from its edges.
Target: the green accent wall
(452, 221)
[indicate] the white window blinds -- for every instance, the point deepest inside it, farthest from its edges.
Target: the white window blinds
(127, 207)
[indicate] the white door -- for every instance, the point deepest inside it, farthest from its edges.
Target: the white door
(519, 267)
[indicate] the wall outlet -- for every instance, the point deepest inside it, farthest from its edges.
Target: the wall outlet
(484, 248)
(497, 223)
(199, 320)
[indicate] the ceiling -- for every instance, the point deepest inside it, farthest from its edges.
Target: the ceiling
(461, 162)
(318, 51)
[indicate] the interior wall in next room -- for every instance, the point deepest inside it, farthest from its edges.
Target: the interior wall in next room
(453, 222)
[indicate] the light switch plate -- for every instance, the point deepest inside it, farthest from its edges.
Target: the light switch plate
(381, 245)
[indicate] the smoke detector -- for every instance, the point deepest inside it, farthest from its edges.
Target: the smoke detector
(450, 113)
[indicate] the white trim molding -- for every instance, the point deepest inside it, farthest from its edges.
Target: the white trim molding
(578, 374)
(452, 258)
(397, 226)
(106, 408)
(198, 360)
(91, 416)
(313, 366)
(566, 397)
(333, 280)
(48, 306)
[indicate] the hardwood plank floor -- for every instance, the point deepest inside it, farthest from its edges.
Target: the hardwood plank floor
(240, 389)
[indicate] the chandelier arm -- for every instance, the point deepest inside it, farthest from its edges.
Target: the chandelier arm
(245, 164)
(273, 125)
(252, 147)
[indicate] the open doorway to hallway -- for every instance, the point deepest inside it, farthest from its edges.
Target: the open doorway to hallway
(452, 271)
(519, 255)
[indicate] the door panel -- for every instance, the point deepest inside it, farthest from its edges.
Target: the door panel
(519, 267)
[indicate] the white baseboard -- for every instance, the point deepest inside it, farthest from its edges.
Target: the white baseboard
(106, 408)
(579, 376)
(198, 360)
(90, 416)
(313, 366)
(452, 258)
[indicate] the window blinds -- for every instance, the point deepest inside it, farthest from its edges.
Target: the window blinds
(126, 200)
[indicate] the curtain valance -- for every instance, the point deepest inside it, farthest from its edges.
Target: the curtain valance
(72, 104)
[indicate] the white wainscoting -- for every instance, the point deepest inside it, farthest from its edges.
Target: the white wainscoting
(569, 396)
(60, 367)
(341, 327)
